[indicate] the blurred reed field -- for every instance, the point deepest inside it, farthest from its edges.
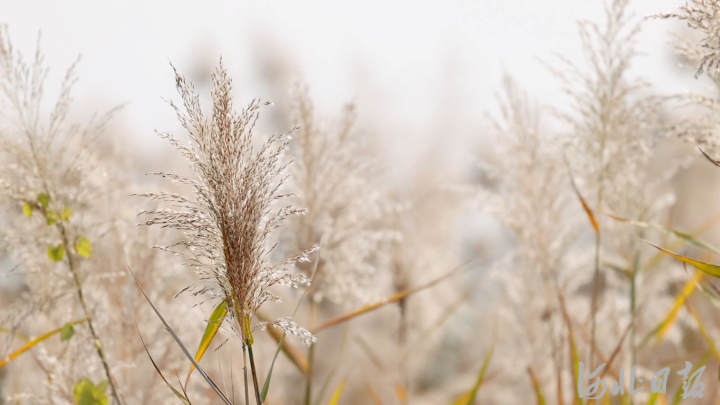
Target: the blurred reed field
(270, 247)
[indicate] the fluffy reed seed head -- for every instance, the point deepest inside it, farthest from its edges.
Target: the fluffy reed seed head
(696, 113)
(335, 177)
(702, 16)
(228, 226)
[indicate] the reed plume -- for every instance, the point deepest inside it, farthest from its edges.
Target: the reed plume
(238, 203)
(52, 175)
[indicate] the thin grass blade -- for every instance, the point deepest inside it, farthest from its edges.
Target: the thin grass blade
(394, 298)
(336, 395)
(32, 342)
(687, 237)
(703, 331)
(175, 391)
(711, 295)
(653, 398)
(216, 319)
(266, 385)
(536, 387)
(179, 342)
(469, 397)
(586, 207)
(711, 269)
(713, 161)
(616, 351)
(574, 356)
(664, 326)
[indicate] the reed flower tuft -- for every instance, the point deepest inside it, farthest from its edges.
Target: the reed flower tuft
(238, 202)
(52, 182)
(702, 16)
(696, 114)
(334, 176)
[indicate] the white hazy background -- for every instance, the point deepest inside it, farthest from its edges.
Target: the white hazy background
(422, 74)
(406, 64)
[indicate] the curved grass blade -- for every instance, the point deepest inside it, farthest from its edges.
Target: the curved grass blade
(175, 391)
(703, 331)
(574, 356)
(655, 259)
(179, 342)
(536, 387)
(266, 385)
(469, 397)
(216, 319)
(620, 270)
(664, 326)
(32, 342)
(711, 269)
(337, 363)
(326, 384)
(292, 353)
(586, 207)
(713, 161)
(363, 310)
(710, 294)
(653, 398)
(336, 395)
(389, 300)
(436, 326)
(615, 352)
(682, 235)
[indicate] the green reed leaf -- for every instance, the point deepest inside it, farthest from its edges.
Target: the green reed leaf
(83, 247)
(87, 393)
(56, 253)
(67, 332)
(66, 214)
(51, 217)
(27, 209)
(213, 325)
(43, 199)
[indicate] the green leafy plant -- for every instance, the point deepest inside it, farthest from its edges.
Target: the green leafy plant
(85, 392)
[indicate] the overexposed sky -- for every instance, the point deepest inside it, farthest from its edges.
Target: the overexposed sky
(401, 61)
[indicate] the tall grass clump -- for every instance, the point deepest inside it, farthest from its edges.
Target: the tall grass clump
(534, 278)
(696, 119)
(52, 180)
(615, 127)
(565, 297)
(333, 176)
(702, 17)
(236, 206)
(335, 179)
(600, 151)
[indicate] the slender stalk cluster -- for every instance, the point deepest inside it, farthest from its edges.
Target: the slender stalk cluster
(51, 172)
(532, 181)
(702, 16)
(696, 115)
(614, 124)
(237, 204)
(334, 178)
